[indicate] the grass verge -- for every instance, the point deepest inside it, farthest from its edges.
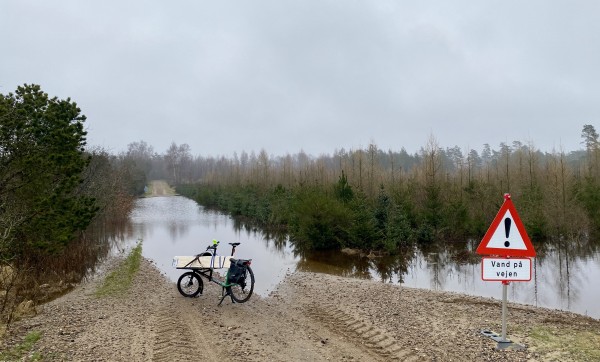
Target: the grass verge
(119, 280)
(565, 344)
(19, 352)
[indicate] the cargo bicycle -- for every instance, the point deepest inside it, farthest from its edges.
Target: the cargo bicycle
(238, 282)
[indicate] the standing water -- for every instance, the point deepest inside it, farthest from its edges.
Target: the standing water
(564, 276)
(171, 226)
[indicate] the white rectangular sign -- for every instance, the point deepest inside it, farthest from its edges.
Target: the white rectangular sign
(506, 269)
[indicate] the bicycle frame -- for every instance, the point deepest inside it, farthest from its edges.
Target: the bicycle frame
(196, 267)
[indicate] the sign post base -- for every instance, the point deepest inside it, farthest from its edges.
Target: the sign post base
(503, 343)
(509, 346)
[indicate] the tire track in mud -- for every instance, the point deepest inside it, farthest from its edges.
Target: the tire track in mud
(173, 338)
(176, 337)
(375, 340)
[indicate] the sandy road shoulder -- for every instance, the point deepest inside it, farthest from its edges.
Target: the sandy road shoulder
(154, 323)
(310, 317)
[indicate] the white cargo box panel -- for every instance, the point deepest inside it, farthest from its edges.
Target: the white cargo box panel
(218, 262)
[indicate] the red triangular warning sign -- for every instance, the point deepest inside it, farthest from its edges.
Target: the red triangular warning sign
(506, 236)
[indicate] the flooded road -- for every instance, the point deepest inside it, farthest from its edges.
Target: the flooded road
(564, 276)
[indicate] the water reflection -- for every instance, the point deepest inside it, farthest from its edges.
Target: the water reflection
(335, 263)
(568, 268)
(171, 226)
(563, 278)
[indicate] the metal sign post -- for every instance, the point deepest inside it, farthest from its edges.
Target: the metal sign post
(504, 310)
(508, 249)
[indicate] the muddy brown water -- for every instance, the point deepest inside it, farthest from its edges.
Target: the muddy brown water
(565, 274)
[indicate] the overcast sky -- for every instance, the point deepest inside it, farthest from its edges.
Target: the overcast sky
(312, 75)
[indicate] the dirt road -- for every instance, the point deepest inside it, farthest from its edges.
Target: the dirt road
(311, 317)
(159, 188)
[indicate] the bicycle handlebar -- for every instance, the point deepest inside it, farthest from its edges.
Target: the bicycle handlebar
(215, 243)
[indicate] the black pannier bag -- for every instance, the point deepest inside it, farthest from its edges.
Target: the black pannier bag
(237, 272)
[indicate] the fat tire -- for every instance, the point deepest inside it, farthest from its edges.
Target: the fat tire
(190, 284)
(240, 295)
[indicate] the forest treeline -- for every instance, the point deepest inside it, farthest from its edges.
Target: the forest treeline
(54, 193)
(382, 200)
(373, 199)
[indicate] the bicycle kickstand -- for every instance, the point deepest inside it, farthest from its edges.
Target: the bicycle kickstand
(224, 295)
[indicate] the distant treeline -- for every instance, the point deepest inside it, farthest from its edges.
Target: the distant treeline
(378, 200)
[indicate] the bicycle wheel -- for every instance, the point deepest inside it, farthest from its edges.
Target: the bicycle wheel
(242, 292)
(190, 284)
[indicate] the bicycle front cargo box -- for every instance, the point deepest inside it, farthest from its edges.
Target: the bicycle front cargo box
(201, 262)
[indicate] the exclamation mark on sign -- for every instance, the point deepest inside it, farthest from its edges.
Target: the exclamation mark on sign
(507, 223)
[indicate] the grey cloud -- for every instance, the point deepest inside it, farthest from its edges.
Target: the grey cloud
(312, 75)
